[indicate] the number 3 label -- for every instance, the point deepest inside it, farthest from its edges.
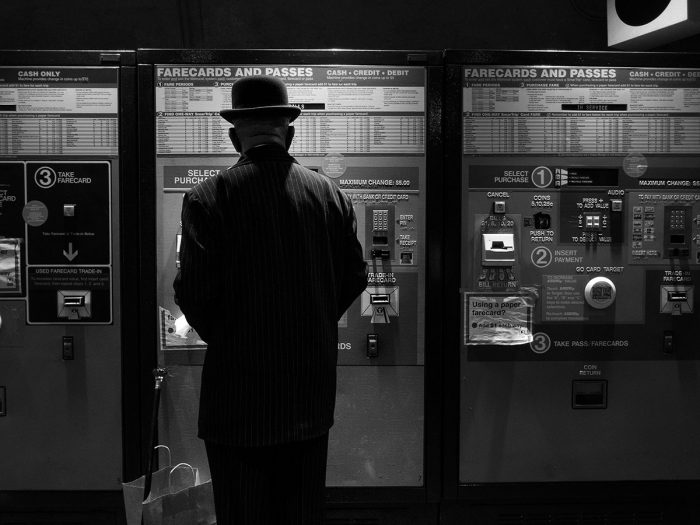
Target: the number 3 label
(541, 257)
(45, 177)
(540, 343)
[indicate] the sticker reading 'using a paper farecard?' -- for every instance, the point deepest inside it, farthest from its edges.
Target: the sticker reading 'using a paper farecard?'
(497, 319)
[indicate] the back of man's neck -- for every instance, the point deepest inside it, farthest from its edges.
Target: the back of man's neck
(264, 146)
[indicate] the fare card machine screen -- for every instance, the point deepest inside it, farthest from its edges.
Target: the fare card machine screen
(580, 245)
(363, 127)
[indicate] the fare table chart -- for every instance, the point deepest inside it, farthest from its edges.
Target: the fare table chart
(366, 111)
(58, 135)
(568, 110)
(58, 111)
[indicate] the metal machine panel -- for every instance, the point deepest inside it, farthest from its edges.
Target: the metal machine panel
(363, 124)
(377, 438)
(578, 265)
(60, 272)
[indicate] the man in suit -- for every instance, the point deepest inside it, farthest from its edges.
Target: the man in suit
(269, 262)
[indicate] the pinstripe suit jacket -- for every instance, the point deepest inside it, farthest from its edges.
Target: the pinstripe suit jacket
(269, 261)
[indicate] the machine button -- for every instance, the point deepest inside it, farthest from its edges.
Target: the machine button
(593, 221)
(543, 221)
(600, 292)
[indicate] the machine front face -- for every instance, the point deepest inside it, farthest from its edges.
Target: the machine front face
(580, 253)
(364, 127)
(60, 322)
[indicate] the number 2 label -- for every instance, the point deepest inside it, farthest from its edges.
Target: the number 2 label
(541, 257)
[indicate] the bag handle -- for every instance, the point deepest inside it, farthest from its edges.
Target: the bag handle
(170, 460)
(194, 474)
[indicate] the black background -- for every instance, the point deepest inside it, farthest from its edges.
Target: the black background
(309, 24)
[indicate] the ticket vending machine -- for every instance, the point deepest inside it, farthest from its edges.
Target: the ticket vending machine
(365, 124)
(574, 182)
(63, 122)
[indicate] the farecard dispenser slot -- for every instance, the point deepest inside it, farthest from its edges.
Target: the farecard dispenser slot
(677, 295)
(74, 300)
(379, 299)
(74, 304)
(380, 304)
(677, 299)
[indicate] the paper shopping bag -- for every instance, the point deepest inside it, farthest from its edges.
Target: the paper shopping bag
(133, 491)
(188, 502)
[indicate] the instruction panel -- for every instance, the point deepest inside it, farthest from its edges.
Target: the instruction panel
(58, 145)
(580, 196)
(58, 111)
(361, 126)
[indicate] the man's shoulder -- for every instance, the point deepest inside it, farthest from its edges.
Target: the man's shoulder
(203, 191)
(208, 185)
(248, 171)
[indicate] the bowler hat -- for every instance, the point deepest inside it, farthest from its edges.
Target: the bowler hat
(259, 94)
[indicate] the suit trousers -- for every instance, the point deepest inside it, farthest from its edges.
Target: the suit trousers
(277, 484)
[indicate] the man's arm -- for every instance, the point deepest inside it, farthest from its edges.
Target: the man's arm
(354, 279)
(196, 290)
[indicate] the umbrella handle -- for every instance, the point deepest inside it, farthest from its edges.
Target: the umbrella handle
(167, 449)
(159, 374)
